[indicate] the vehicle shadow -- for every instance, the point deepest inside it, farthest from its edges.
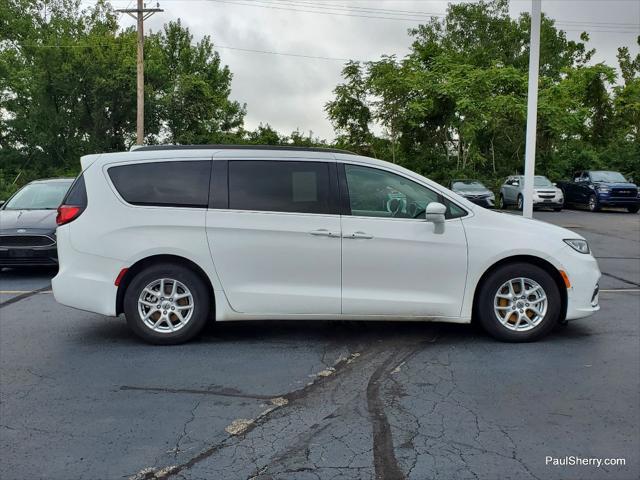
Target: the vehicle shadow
(305, 332)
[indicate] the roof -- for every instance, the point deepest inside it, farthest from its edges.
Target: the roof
(147, 148)
(52, 180)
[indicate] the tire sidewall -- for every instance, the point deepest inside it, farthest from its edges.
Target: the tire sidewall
(195, 285)
(485, 304)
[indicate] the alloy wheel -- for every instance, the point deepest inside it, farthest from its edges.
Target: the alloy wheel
(165, 305)
(520, 304)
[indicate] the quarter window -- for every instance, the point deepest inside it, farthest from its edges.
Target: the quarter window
(168, 184)
(378, 193)
(279, 186)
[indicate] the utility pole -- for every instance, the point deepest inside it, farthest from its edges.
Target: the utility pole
(140, 14)
(532, 109)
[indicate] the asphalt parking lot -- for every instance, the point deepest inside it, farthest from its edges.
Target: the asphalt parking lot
(80, 397)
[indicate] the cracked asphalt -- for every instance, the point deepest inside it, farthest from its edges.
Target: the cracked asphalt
(80, 397)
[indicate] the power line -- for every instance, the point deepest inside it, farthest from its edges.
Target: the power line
(216, 47)
(400, 15)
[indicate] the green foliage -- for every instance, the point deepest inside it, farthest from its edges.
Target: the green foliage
(455, 106)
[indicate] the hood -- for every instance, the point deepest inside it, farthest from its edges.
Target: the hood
(33, 221)
(552, 188)
(511, 222)
(474, 192)
(628, 185)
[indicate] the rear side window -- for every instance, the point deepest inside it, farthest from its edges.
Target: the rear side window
(277, 186)
(164, 184)
(77, 194)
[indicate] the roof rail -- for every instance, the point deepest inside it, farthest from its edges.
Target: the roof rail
(148, 148)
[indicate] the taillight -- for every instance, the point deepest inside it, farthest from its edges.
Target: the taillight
(67, 213)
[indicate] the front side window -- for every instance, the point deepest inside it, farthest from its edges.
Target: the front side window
(378, 193)
(164, 184)
(279, 186)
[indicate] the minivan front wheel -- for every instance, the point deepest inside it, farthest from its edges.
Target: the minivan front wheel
(166, 304)
(519, 302)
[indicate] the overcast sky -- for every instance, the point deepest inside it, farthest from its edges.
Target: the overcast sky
(289, 92)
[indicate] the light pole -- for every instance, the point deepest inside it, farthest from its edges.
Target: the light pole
(532, 109)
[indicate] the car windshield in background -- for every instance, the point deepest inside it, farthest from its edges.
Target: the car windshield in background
(608, 177)
(542, 182)
(39, 196)
(468, 185)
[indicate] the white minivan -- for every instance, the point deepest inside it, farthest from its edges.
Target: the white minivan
(175, 236)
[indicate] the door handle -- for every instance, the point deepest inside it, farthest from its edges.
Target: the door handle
(358, 235)
(323, 232)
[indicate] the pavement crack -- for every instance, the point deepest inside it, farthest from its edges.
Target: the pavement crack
(195, 391)
(23, 296)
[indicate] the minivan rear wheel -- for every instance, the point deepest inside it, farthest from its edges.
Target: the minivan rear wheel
(166, 304)
(519, 302)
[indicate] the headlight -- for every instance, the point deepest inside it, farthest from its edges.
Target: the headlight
(604, 189)
(578, 244)
(492, 196)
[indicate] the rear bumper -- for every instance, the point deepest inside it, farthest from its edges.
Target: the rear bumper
(25, 256)
(85, 282)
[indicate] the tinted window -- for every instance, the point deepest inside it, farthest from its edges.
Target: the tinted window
(77, 194)
(277, 186)
(177, 184)
(38, 196)
(378, 193)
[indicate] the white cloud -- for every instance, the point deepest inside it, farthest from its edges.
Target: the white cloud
(290, 92)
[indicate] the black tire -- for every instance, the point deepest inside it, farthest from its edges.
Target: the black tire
(520, 204)
(593, 205)
(201, 301)
(633, 209)
(557, 209)
(485, 302)
(503, 205)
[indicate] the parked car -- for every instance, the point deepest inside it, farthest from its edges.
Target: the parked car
(545, 193)
(174, 236)
(598, 188)
(28, 223)
(474, 191)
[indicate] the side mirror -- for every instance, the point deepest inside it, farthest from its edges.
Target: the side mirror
(435, 213)
(516, 183)
(629, 179)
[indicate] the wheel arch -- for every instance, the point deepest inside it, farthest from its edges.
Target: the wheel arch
(146, 262)
(532, 259)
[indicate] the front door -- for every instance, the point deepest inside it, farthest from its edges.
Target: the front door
(394, 263)
(276, 248)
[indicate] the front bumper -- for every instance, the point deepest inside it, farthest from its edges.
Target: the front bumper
(584, 275)
(28, 256)
(609, 201)
(555, 202)
(486, 202)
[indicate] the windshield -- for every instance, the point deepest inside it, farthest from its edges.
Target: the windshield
(608, 177)
(39, 196)
(468, 185)
(540, 181)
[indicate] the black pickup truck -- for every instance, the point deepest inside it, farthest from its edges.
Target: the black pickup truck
(599, 188)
